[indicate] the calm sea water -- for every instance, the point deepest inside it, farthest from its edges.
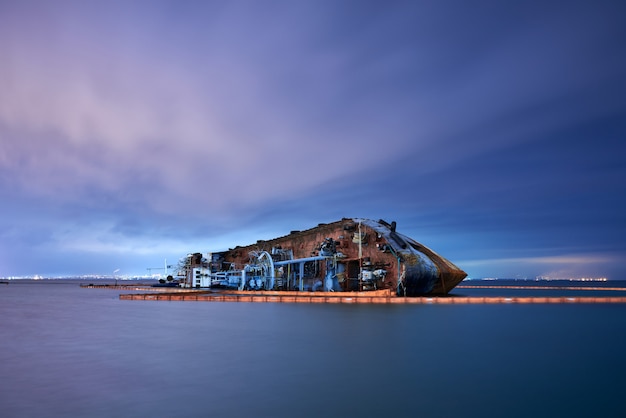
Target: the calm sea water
(72, 352)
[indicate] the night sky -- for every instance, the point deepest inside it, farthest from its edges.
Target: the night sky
(137, 131)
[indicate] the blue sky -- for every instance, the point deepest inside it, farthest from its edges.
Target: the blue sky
(137, 131)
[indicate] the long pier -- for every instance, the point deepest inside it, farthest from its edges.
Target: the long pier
(329, 297)
(372, 297)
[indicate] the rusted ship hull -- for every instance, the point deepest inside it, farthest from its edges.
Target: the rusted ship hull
(352, 254)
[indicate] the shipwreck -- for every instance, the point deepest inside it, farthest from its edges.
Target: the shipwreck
(352, 254)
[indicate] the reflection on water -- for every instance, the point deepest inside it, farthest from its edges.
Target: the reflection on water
(68, 351)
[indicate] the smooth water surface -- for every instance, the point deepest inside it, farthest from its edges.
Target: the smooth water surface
(69, 351)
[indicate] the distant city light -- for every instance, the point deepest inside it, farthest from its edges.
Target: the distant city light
(544, 278)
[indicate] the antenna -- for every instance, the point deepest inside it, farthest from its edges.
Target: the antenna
(360, 258)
